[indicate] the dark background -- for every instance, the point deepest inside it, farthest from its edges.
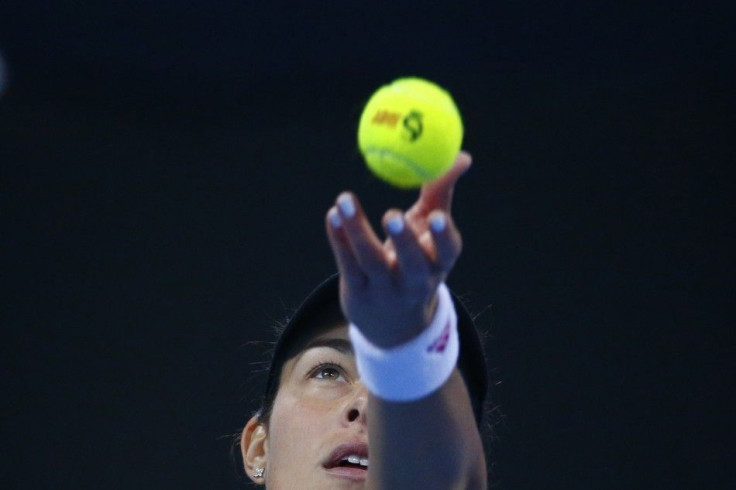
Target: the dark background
(165, 171)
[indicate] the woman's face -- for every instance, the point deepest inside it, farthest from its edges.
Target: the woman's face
(317, 435)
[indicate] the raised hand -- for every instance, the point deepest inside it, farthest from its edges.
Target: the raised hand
(388, 287)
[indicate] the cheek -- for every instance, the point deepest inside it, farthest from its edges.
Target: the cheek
(295, 429)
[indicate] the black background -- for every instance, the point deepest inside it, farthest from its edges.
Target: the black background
(166, 167)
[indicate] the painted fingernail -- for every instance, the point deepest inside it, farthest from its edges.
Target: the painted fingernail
(346, 204)
(334, 218)
(437, 222)
(395, 224)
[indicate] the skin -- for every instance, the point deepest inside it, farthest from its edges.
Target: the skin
(316, 410)
(388, 287)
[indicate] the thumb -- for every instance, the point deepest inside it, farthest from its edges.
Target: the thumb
(437, 194)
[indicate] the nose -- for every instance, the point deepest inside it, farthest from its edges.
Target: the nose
(356, 405)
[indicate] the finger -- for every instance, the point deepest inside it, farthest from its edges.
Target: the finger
(447, 240)
(413, 260)
(366, 247)
(438, 193)
(347, 264)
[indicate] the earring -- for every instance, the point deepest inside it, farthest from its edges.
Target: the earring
(259, 473)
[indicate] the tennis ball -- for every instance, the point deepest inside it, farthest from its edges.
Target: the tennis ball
(410, 132)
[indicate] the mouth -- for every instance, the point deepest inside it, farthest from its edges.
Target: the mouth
(348, 460)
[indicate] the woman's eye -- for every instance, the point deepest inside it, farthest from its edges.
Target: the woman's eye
(328, 373)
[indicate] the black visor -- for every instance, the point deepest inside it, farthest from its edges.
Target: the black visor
(325, 297)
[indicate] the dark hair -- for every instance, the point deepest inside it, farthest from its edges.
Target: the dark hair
(319, 316)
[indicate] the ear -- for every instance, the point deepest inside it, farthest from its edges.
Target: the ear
(254, 447)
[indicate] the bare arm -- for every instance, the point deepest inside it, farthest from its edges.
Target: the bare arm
(388, 288)
(432, 443)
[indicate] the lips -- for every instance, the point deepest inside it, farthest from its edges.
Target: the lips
(348, 460)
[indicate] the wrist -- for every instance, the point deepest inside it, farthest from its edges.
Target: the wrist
(416, 368)
(395, 323)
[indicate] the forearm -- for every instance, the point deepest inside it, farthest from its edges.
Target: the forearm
(429, 443)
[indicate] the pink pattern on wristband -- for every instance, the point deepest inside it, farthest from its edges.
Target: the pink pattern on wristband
(440, 343)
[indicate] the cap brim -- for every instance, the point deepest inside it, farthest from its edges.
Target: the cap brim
(471, 361)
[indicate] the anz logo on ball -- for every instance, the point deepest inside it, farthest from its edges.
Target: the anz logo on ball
(412, 123)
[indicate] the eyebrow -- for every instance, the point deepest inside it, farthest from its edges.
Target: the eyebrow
(341, 345)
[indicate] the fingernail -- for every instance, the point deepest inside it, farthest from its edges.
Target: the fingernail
(437, 222)
(346, 204)
(395, 224)
(334, 218)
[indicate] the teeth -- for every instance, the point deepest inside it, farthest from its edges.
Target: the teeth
(355, 459)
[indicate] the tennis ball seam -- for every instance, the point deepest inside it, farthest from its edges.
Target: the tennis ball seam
(383, 152)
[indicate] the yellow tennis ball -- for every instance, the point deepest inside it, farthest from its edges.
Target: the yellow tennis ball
(410, 132)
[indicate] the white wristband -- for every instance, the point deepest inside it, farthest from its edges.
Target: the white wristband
(415, 369)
